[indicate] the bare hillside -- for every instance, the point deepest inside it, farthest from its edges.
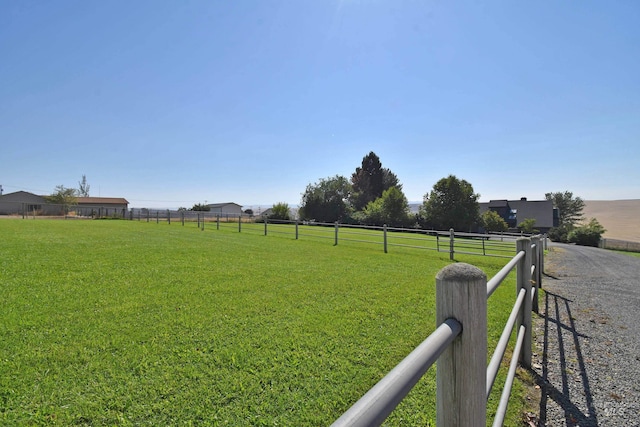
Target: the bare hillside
(621, 218)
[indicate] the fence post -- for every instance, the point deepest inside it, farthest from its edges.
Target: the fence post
(148, 213)
(544, 248)
(461, 374)
(384, 229)
(265, 225)
(182, 217)
(296, 229)
(335, 243)
(169, 216)
(535, 259)
(451, 239)
(157, 217)
(239, 223)
(218, 222)
(524, 282)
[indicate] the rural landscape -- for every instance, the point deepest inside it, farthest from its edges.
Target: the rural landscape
(260, 321)
(319, 213)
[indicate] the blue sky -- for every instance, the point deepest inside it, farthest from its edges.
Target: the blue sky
(174, 103)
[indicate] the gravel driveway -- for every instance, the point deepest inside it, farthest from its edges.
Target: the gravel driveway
(587, 359)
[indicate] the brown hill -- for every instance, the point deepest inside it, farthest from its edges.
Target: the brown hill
(621, 218)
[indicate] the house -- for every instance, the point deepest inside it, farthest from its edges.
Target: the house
(229, 208)
(23, 202)
(516, 211)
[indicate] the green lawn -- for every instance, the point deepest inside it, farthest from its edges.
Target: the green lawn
(135, 323)
(634, 254)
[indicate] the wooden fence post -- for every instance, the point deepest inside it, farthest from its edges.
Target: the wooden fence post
(169, 216)
(535, 260)
(297, 229)
(452, 237)
(384, 229)
(461, 374)
(239, 223)
(265, 225)
(524, 282)
(335, 243)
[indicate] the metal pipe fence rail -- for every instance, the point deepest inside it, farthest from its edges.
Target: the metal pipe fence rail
(459, 346)
(452, 242)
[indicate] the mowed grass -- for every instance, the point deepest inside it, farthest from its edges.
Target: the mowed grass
(134, 323)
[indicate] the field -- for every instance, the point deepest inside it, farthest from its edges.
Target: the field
(621, 218)
(132, 323)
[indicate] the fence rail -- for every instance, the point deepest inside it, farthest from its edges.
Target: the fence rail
(459, 346)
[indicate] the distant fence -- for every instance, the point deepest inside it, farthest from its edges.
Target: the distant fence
(459, 345)
(452, 242)
(621, 245)
(449, 241)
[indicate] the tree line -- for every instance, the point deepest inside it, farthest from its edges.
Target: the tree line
(373, 196)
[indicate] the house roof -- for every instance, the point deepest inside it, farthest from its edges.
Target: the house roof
(498, 203)
(102, 201)
(221, 205)
(18, 195)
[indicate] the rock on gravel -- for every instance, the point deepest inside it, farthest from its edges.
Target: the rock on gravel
(587, 360)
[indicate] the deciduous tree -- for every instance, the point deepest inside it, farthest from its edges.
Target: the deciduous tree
(200, 207)
(327, 200)
(280, 211)
(528, 226)
(66, 197)
(451, 204)
(392, 208)
(492, 222)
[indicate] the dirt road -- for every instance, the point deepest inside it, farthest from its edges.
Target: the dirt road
(588, 338)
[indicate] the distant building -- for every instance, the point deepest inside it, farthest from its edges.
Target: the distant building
(23, 202)
(516, 211)
(228, 208)
(104, 206)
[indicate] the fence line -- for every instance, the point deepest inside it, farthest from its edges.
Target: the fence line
(459, 346)
(452, 242)
(621, 245)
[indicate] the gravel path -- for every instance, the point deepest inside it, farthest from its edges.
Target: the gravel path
(587, 359)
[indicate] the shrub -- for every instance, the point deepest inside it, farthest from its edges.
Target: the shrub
(560, 234)
(491, 221)
(587, 235)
